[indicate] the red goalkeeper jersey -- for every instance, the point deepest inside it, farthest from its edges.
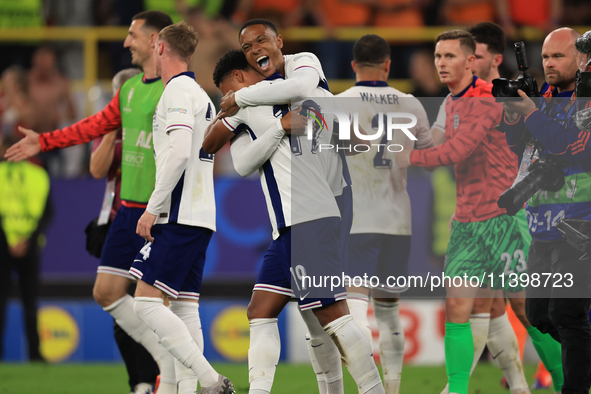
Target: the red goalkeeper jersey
(86, 130)
(484, 165)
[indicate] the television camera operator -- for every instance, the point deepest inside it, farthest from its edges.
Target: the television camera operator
(555, 180)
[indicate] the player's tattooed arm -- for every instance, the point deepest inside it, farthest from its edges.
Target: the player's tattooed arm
(216, 136)
(228, 105)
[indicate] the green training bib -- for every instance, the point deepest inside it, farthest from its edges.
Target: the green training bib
(137, 101)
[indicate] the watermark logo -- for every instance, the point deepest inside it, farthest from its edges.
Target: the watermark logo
(386, 122)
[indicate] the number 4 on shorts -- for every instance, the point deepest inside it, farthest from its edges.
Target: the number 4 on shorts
(146, 250)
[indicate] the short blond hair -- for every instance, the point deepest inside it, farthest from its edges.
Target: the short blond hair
(181, 38)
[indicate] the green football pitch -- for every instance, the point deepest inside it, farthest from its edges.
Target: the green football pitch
(289, 379)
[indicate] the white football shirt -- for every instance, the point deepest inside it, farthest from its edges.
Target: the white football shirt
(309, 85)
(293, 178)
(380, 201)
(190, 200)
(333, 164)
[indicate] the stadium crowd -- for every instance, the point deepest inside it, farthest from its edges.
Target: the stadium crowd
(217, 22)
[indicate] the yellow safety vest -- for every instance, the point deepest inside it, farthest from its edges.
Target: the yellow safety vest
(24, 188)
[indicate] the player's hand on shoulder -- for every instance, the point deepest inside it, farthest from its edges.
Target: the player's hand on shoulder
(293, 123)
(25, 148)
(228, 105)
(144, 225)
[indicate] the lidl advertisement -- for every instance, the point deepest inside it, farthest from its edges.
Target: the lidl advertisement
(78, 331)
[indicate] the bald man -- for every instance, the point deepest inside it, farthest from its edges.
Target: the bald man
(558, 307)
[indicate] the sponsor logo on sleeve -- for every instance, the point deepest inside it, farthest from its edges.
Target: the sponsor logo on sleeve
(303, 56)
(177, 110)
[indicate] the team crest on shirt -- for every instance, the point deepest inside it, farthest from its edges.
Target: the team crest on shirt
(456, 121)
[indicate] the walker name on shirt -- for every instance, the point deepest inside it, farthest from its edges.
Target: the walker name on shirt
(379, 98)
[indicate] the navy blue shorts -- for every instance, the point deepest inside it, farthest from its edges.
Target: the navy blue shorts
(380, 255)
(174, 262)
(345, 203)
(122, 243)
(309, 249)
(274, 275)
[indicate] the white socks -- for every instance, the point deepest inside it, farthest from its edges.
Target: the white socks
(320, 378)
(503, 346)
(391, 343)
(175, 337)
(263, 354)
(168, 378)
(187, 380)
(358, 304)
(188, 312)
(479, 324)
(325, 356)
(357, 354)
(122, 312)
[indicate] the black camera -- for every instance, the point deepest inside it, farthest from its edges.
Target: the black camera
(544, 174)
(504, 88)
(583, 80)
(583, 84)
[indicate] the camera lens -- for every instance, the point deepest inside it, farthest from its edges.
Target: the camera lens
(545, 174)
(505, 88)
(506, 91)
(513, 199)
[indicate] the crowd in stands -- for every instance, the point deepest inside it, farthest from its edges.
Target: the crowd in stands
(35, 87)
(39, 98)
